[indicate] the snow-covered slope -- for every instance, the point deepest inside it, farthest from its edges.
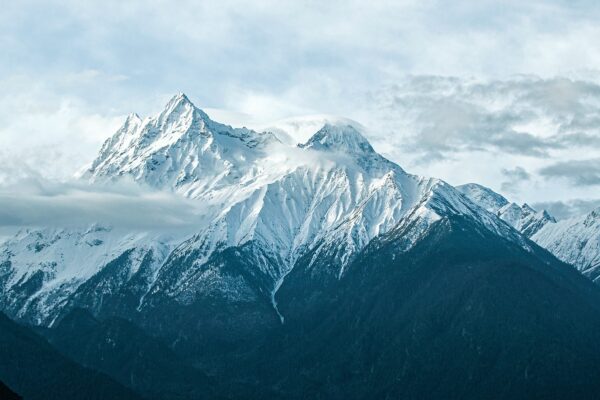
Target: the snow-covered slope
(575, 241)
(522, 217)
(483, 196)
(44, 266)
(330, 195)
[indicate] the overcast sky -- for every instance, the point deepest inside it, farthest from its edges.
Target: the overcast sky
(504, 93)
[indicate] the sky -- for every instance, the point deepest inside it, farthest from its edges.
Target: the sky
(503, 93)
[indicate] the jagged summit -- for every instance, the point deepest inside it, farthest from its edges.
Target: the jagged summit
(180, 148)
(339, 137)
(528, 208)
(523, 218)
(179, 97)
(576, 241)
(132, 118)
(178, 100)
(180, 106)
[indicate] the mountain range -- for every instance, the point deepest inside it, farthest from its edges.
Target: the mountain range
(574, 240)
(318, 269)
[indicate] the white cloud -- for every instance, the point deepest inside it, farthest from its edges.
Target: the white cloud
(474, 130)
(577, 172)
(34, 201)
(47, 132)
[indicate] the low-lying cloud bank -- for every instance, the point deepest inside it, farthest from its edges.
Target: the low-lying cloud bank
(38, 202)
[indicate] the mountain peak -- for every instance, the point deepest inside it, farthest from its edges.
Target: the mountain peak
(527, 208)
(180, 106)
(179, 98)
(133, 116)
(547, 215)
(131, 120)
(339, 137)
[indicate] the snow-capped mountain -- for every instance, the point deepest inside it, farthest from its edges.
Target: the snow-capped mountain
(522, 217)
(182, 149)
(322, 257)
(575, 241)
(330, 195)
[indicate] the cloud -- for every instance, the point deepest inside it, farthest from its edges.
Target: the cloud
(472, 129)
(568, 209)
(516, 174)
(37, 202)
(577, 172)
(53, 134)
(441, 116)
(515, 177)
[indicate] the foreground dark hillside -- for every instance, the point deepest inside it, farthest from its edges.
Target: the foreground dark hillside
(131, 356)
(7, 394)
(35, 370)
(461, 316)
